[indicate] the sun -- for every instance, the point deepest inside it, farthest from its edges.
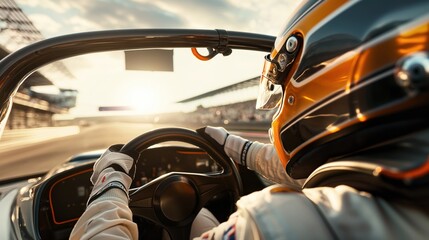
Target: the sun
(141, 100)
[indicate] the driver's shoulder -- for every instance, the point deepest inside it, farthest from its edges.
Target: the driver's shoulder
(279, 211)
(329, 212)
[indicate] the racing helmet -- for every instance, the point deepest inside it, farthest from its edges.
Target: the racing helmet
(346, 76)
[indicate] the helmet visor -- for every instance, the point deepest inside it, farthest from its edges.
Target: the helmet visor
(270, 94)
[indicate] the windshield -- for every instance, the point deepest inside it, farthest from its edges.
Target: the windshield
(90, 102)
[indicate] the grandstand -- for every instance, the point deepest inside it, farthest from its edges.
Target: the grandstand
(33, 106)
(230, 104)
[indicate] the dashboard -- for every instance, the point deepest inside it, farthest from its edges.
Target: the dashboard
(61, 198)
(155, 162)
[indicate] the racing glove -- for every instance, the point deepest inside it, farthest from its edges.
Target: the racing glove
(234, 146)
(112, 170)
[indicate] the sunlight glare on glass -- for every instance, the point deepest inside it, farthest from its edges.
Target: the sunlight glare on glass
(141, 100)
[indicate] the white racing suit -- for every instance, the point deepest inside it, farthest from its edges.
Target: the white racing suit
(278, 212)
(320, 213)
(263, 159)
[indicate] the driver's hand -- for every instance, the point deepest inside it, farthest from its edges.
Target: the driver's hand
(234, 146)
(112, 170)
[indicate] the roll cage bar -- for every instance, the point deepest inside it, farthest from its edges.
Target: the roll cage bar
(17, 66)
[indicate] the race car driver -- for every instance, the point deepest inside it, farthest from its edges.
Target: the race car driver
(350, 80)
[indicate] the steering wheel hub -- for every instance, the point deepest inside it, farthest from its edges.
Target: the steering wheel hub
(176, 199)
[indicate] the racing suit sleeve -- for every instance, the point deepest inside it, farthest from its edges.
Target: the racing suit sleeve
(107, 217)
(263, 159)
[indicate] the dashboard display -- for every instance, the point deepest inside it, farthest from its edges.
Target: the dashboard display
(68, 196)
(158, 161)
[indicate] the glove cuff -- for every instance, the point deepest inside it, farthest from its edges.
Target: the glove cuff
(244, 152)
(110, 179)
(237, 148)
(107, 187)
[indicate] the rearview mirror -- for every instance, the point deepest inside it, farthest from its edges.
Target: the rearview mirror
(149, 60)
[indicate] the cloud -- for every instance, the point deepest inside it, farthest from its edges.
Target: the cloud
(208, 13)
(55, 6)
(83, 15)
(127, 14)
(251, 15)
(40, 21)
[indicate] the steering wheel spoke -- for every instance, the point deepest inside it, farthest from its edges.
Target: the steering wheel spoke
(141, 203)
(211, 185)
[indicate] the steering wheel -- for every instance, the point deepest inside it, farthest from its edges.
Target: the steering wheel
(173, 200)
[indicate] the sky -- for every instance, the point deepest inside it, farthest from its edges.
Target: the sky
(58, 17)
